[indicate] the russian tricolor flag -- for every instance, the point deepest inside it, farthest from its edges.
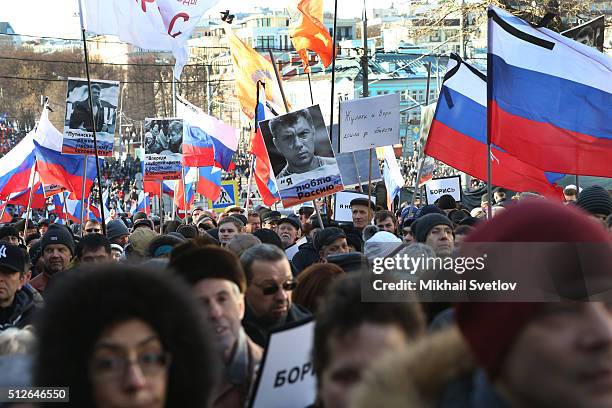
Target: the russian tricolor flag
(72, 209)
(458, 134)
(207, 141)
(550, 98)
(65, 170)
(209, 182)
(16, 166)
(23, 197)
(143, 204)
(266, 184)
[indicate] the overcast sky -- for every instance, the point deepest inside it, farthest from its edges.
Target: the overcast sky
(59, 18)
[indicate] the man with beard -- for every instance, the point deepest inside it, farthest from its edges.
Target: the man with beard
(57, 247)
(268, 293)
(219, 284)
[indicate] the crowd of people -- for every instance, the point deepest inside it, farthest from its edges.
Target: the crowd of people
(143, 312)
(9, 137)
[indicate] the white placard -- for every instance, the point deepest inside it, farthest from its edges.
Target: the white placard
(286, 375)
(446, 185)
(342, 208)
(369, 122)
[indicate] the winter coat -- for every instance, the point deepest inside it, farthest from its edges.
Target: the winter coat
(438, 371)
(21, 312)
(306, 256)
(258, 331)
(234, 394)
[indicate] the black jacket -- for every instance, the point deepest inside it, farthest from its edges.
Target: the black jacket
(21, 312)
(306, 256)
(258, 331)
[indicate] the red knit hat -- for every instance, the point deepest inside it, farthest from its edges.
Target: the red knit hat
(491, 328)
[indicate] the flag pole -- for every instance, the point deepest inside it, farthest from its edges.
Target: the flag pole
(184, 197)
(333, 73)
(489, 115)
(310, 86)
(370, 185)
(3, 210)
(280, 85)
(161, 206)
(252, 163)
(65, 208)
(83, 194)
(32, 175)
(420, 157)
(93, 120)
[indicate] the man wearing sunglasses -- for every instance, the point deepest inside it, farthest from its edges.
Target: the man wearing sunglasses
(268, 294)
(93, 227)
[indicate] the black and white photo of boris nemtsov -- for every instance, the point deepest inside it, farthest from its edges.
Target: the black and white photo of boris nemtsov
(163, 136)
(297, 142)
(105, 96)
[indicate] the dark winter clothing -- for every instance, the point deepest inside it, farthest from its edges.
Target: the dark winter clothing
(258, 331)
(26, 303)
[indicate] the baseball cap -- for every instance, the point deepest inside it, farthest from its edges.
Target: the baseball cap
(12, 258)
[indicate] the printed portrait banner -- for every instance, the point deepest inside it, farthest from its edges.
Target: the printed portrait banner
(342, 207)
(286, 374)
(78, 125)
(369, 122)
(444, 185)
(163, 138)
(590, 33)
(301, 156)
(227, 198)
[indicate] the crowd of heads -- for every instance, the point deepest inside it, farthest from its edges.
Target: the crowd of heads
(179, 313)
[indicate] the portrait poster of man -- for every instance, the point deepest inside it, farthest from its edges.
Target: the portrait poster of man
(78, 123)
(163, 138)
(590, 33)
(301, 156)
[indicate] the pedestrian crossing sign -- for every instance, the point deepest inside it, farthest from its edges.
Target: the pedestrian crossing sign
(227, 198)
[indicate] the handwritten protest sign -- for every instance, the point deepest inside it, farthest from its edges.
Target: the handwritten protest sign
(286, 375)
(441, 186)
(78, 124)
(369, 122)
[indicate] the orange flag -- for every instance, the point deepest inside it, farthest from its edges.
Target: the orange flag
(310, 33)
(250, 67)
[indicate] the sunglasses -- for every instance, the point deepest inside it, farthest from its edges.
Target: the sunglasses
(272, 290)
(92, 230)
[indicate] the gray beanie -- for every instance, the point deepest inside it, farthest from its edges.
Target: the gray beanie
(427, 222)
(115, 229)
(57, 234)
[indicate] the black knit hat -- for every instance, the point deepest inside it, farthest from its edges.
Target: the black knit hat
(595, 200)
(327, 236)
(446, 202)
(57, 234)
(427, 222)
(116, 228)
(8, 231)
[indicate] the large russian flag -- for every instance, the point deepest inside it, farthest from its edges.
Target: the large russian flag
(266, 184)
(143, 204)
(65, 170)
(550, 98)
(16, 165)
(458, 135)
(207, 141)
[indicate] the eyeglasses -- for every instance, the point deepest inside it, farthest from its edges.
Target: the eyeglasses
(272, 290)
(92, 230)
(113, 367)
